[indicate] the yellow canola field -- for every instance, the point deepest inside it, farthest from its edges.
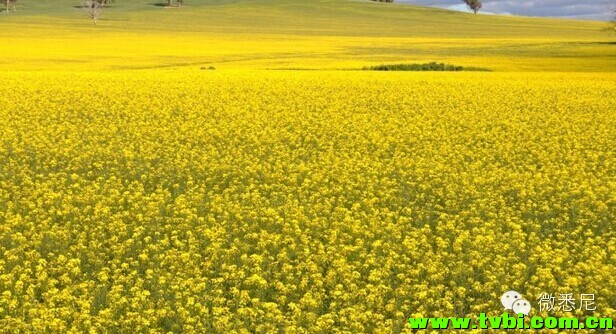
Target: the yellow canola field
(253, 201)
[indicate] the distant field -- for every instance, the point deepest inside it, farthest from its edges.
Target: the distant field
(293, 34)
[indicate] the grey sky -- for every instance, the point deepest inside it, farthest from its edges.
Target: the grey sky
(579, 9)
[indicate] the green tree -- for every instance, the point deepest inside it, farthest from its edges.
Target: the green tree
(475, 5)
(94, 9)
(178, 3)
(9, 3)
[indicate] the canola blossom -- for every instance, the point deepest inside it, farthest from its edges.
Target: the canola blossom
(299, 201)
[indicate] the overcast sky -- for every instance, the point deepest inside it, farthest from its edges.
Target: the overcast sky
(578, 9)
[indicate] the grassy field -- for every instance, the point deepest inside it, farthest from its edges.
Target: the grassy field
(266, 34)
(142, 194)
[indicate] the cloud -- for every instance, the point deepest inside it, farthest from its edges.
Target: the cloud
(589, 9)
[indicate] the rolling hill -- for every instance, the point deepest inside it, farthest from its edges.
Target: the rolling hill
(267, 34)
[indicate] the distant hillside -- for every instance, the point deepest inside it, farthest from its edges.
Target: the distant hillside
(293, 33)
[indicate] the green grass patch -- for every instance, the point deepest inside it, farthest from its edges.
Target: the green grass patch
(433, 66)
